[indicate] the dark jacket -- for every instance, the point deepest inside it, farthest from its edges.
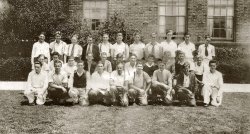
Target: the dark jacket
(193, 85)
(92, 68)
(95, 51)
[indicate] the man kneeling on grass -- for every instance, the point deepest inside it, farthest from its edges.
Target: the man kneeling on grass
(99, 92)
(139, 86)
(186, 86)
(58, 82)
(77, 84)
(213, 83)
(162, 84)
(37, 85)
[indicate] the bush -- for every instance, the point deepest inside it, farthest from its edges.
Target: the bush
(234, 65)
(14, 69)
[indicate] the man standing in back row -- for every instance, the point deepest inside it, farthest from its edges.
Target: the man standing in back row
(207, 51)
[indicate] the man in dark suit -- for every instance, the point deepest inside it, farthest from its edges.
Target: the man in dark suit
(186, 86)
(90, 65)
(91, 48)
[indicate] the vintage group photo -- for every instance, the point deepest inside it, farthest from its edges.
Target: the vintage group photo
(125, 66)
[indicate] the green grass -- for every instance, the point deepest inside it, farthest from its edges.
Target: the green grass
(232, 117)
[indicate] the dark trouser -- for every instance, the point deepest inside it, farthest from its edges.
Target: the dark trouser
(56, 93)
(163, 92)
(199, 77)
(119, 96)
(185, 95)
(96, 96)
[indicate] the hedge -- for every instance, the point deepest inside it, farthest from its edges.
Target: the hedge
(233, 63)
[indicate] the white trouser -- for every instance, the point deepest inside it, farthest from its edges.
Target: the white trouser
(216, 95)
(79, 95)
(40, 93)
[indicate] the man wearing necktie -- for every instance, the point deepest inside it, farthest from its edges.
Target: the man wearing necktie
(207, 51)
(162, 84)
(91, 48)
(74, 50)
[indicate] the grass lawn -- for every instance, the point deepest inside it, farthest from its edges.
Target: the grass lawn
(232, 117)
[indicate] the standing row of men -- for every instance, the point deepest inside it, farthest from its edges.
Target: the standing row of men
(168, 73)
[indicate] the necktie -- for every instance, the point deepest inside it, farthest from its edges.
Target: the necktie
(206, 51)
(153, 50)
(72, 51)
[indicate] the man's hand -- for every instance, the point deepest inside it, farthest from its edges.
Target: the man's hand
(64, 90)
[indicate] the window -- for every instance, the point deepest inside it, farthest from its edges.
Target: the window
(220, 19)
(172, 15)
(95, 12)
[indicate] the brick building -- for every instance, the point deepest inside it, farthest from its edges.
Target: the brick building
(227, 21)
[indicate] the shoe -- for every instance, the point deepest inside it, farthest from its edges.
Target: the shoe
(32, 104)
(206, 105)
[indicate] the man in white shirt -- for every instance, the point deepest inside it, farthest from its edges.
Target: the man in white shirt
(153, 48)
(37, 85)
(130, 67)
(106, 46)
(74, 49)
(40, 47)
(139, 86)
(99, 86)
(107, 64)
(58, 46)
(45, 66)
(169, 46)
(207, 51)
(120, 47)
(137, 47)
(200, 68)
(55, 57)
(119, 86)
(213, 82)
(187, 47)
(70, 67)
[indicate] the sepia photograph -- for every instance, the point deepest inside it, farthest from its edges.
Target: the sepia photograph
(125, 66)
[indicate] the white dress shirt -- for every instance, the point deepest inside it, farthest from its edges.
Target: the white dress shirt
(186, 81)
(187, 49)
(211, 51)
(100, 81)
(199, 70)
(129, 69)
(157, 50)
(37, 80)
(171, 47)
(40, 48)
(77, 50)
(107, 48)
(137, 49)
(213, 79)
(58, 47)
(121, 48)
(119, 80)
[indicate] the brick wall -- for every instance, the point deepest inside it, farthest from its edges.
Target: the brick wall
(242, 18)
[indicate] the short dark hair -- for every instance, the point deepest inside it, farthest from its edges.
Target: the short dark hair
(139, 63)
(38, 62)
(151, 56)
(55, 53)
(133, 55)
(42, 33)
(119, 55)
(187, 34)
(212, 61)
(80, 61)
(58, 33)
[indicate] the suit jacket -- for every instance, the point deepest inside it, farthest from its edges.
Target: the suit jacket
(95, 51)
(193, 85)
(92, 68)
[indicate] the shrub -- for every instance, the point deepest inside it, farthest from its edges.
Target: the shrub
(14, 69)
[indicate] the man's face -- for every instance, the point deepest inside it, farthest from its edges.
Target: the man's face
(187, 37)
(212, 66)
(41, 59)
(186, 69)
(41, 37)
(90, 40)
(139, 67)
(120, 68)
(199, 60)
(100, 67)
(71, 62)
(153, 36)
(207, 41)
(104, 57)
(58, 67)
(169, 36)
(161, 66)
(58, 37)
(74, 40)
(105, 37)
(132, 59)
(137, 38)
(89, 57)
(55, 57)
(80, 66)
(150, 59)
(181, 57)
(119, 38)
(38, 68)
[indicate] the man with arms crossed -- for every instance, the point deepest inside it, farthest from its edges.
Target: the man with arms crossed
(139, 86)
(213, 82)
(37, 85)
(77, 84)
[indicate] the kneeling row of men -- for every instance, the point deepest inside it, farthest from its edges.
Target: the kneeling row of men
(119, 88)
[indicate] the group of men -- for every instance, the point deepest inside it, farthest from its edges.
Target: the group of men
(122, 74)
